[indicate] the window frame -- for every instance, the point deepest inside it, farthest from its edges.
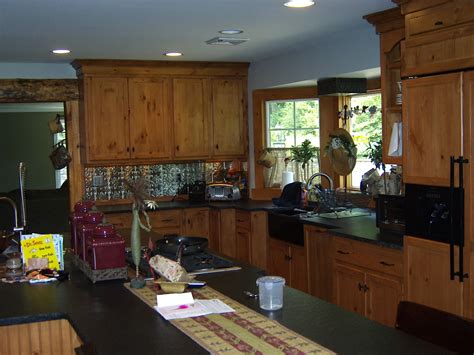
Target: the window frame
(260, 97)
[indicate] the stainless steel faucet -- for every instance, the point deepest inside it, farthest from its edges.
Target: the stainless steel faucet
(17, 228)
(310, 180)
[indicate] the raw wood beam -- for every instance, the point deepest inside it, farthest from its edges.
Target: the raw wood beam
(38, 90)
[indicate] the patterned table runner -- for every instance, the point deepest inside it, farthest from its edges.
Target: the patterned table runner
(242, 331)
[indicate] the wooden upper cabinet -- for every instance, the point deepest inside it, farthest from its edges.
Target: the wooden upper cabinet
(432, 129)
(191, 106)
(439, 36)
(389, 25)
(106, 122)
(229, 125)
(150, 131)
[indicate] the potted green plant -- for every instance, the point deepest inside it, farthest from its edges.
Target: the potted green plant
(303, 154)
(375, 153)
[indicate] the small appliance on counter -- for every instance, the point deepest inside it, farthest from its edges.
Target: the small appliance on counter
(197, 191)
(390, 213)
(222, 192)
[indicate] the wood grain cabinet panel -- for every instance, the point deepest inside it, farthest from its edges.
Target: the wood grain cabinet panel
(191, 110)
(150, 131)
(288, 261)
(229, 125)
(383, 296)
(427, 279)
(196, 222)
(348, 288)
(432, 129)
(48, 337)
(106, 122)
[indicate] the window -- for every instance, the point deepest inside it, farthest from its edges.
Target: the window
(365, 127)
(289, 123)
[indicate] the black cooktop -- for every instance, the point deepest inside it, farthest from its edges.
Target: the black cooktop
(201, 261)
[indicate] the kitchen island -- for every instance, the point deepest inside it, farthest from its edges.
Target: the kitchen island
(111, 318)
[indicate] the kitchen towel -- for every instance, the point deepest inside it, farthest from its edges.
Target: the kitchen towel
(395, 146)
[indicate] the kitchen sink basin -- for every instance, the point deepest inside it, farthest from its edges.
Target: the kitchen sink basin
(285, 225)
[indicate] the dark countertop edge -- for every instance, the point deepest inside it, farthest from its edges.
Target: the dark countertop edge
(382, 238)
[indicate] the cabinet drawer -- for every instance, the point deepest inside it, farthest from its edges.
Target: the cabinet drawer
(442, 51)
(119, 220)
(165, 218)
(242, 220)
(372, 257)
(439, 18)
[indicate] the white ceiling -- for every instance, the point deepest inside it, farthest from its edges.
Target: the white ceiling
(145, 29)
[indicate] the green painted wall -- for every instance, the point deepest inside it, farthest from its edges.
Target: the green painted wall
(26, 137)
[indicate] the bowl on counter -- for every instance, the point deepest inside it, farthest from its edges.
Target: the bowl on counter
(171, 287)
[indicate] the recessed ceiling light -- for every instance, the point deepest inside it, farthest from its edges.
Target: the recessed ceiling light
(299, 3)
(231, 32)
(61, 51)
(173, 54)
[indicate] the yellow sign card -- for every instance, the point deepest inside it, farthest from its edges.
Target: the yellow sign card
(40, 247)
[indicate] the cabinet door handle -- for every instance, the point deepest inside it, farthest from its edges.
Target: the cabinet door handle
(384, 263)
(287, 257)
(343, 252)
(360, 286)
(439, 23)
(133, 149)
(128, 149)
(167, 220)
(366, 288)
(177, 147)
(217, 146)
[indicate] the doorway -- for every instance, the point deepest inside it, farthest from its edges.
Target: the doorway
(26, 137)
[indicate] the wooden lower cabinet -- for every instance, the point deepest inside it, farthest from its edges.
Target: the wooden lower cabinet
(348, 292)
(383, 296)
(242, 245)
(196, 222)
(288, 261)
(427, 279)
(319, 244)
(375, 296)
(367, 279)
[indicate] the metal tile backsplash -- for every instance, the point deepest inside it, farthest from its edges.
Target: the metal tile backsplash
(107, 183)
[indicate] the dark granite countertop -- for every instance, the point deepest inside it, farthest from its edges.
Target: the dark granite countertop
(362, 228)
(116, 322)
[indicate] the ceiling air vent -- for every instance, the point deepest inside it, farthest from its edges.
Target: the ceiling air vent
(226, 41)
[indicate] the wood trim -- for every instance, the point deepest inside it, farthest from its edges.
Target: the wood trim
(329, 107)
(386, 20)
(162, 68)
(38, 90)
(75, 168)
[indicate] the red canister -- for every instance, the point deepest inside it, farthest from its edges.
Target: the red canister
(76, 217)
(105, 249)
(85, 230)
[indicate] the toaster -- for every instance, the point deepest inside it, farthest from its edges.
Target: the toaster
(222, 192)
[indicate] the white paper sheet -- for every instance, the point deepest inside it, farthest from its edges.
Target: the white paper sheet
(182, 305)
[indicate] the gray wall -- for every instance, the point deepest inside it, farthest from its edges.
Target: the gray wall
(26, 137)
